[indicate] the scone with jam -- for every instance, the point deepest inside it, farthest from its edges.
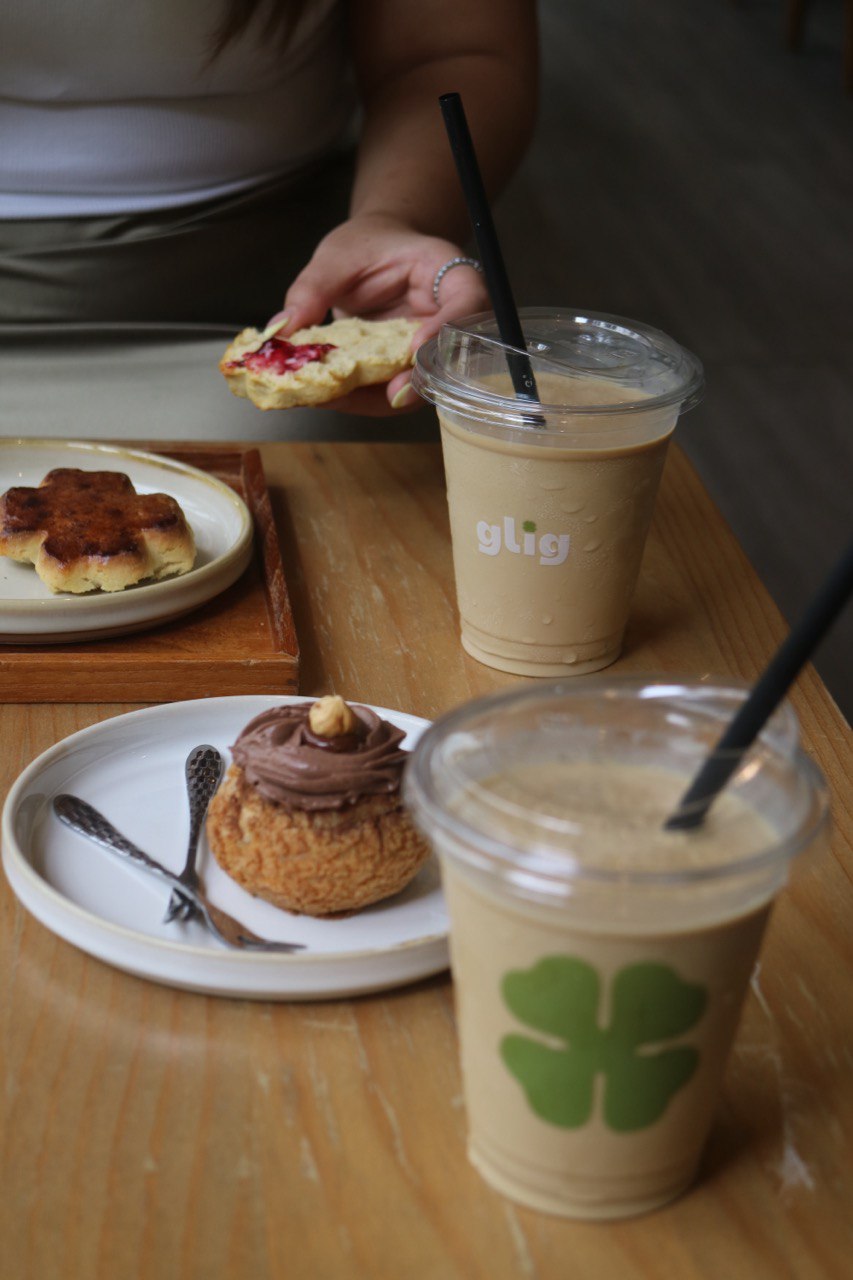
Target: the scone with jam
(318, 364)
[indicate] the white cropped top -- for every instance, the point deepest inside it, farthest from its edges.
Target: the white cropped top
(109, 108)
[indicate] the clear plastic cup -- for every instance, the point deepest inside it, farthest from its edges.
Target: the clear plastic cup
(550, 503)
(599, 961)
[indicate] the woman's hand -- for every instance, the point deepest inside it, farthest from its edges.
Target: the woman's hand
(407, 209)
(376, 267)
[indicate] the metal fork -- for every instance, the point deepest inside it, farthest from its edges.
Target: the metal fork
(85, 819)
(203, 770)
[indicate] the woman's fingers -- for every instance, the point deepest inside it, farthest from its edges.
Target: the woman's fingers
(377, 269)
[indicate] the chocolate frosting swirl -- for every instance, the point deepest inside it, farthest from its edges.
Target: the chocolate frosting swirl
(280, 756)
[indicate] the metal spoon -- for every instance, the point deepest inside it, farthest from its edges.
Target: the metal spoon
(203, 770)
(87, 821)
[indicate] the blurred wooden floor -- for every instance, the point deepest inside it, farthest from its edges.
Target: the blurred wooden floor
(689, 172)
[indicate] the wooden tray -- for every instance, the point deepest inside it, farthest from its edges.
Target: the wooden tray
(243, 641)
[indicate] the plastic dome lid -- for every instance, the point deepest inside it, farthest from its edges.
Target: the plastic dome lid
(456, 371)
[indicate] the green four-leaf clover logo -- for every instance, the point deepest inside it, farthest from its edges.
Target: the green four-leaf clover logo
(560, 996)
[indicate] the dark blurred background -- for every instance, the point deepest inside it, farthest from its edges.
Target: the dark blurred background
(690, 171)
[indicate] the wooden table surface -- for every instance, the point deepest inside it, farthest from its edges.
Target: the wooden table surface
(161, 1135)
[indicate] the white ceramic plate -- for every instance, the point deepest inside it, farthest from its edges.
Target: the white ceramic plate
(30, 613)
(132, 769)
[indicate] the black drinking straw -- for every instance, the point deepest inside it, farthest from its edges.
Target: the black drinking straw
(497, 280)
(768, 692)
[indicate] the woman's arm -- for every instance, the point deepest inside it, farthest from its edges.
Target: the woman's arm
(407, 213)
(407, 53)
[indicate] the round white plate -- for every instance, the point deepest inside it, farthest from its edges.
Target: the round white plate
(30, 613)
(132, 769)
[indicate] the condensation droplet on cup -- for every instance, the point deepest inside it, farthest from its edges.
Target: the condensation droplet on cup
(592, 545)
(570, 658)
(572, 508)
(547, 619)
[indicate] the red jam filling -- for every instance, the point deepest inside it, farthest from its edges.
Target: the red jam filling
(278, 356)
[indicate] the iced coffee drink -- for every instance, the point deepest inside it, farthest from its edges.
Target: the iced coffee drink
(550, 507)
(600, 961)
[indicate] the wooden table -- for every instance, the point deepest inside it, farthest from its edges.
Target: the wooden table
(160, 1135)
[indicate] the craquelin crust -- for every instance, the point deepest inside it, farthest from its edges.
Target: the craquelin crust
(366, 352)
(319, 863)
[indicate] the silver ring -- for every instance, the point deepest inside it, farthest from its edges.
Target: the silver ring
(448, 266)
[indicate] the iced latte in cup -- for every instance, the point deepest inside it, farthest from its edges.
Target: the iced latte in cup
(600, 961)
(550, 504)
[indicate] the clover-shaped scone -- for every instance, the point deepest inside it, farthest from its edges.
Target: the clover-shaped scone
(318, 364)
(91, 530)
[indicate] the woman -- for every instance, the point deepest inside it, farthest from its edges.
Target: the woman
(168, 168)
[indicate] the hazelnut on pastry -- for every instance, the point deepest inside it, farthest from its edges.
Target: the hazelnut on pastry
(330, 717)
